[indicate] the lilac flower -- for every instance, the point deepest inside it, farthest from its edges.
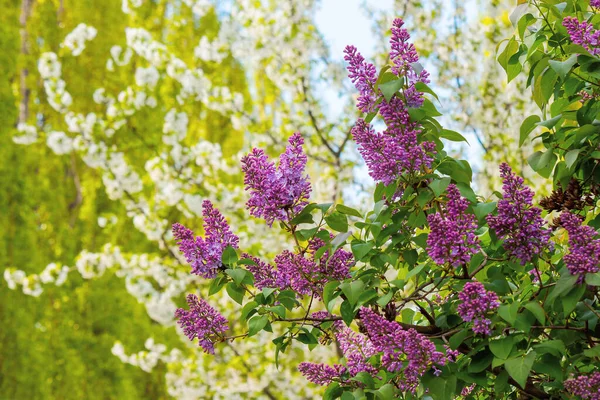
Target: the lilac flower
(584, 252)
(585, 386)
(452, 238)
(203, 322)
(396, 150)
(404, 56)
(308, 276)
(357, 349)
(265, 275)
(595, 3)
(518, 221)
(476, 303)
(204, 255)
(583, 34)
(403, 350)
(393, 152)
(321, 374)
(364, 76)
(275, 193)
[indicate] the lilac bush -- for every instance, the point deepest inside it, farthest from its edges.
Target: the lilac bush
(430, 292)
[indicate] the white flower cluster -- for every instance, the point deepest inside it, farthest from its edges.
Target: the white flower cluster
(59, 142)
(75, 41)
(50, 71)
(127, 5)
(199, 7)
(210, 51)
(120, 176)
(29, 134)
(146, 77)
(147, 360)
(32, 284)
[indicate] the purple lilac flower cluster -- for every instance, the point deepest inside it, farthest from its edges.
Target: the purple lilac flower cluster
(322, 374)
(403, 350)
(476, 303)
(583, 34)
(356, 348)
(364, 76)
(585, 386)
(396, 150)
(309, 275)
(203, 322)
(204, 255)
(584, 251)
(595, 3)
(305, 275)
(518, 222)
(452, 237)
(277, 193)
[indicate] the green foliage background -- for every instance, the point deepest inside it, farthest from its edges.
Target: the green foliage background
(56, 346)
(59, 345)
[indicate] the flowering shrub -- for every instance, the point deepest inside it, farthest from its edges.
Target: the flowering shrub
(443, 293)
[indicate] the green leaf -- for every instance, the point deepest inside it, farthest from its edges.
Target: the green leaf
(347, 312)
(386, 392)
(537, 310)
(501, 384)
(306, 234)
(229, 256)
(361, 249)
(352, 290)
(519, 368)
(563, 285)
(481, 210)
(572, 298)
(235, 292)
(508, 312)
(337, 221)
(503, 347)
(365, 378)
(328, 293)
(304, 217)
(458, 338)
(410, 256)
(339, 240)
(452, 136)
(333, 391)
(542, 163)
(571, 157)
(593, 279)
(442, 388)
(237, 274)
(277, 310)
(517, 13)
(307, 338)
(439, 185)
(527, 127)
(383, 301)
(480, 361)
(423, 88)
(511, 48)
(554, 347)
(217, 284)
(593, 352)
(388, 89)
(256, 324)
(550, 123)
(348, 210)
(248, 308)
(562, 68)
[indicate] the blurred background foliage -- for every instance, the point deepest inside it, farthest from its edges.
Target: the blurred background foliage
(58, 345)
